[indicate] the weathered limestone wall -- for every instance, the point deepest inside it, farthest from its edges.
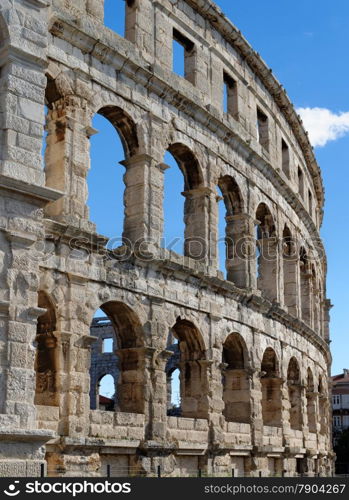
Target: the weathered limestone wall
(62, 55)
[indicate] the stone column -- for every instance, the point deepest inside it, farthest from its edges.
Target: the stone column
(67, 158)
(240, 250)
(196, 216)
(305, 294)
(143, 201)
(256, 408)
(290, 284)
(268, 268)
(156, 412)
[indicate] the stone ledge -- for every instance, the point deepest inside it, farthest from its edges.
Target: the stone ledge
(40, 193)
(26, 435)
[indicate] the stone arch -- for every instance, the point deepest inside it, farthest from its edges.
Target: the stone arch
(125, 126)
(234, 229)
(271, 388)
(188, 164)
(295, 394)
(128, 329)
(129, 334)
(47, 356)
(289, 263)
(311, 401)
(232, 196)
(193, 369)
(236, 386)
(267, 255)
(196, 204)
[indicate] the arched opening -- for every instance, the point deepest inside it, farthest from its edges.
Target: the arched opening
(194, 209)
(106, 393)
(190, 358)
(46, 360)
(173, 206)
(271, 389)
(173, 377)
(104, 369)
(290, 259)
(126, 361)
(266, 253)
(236, 388)
(105, 180)
(311, 401)
(305, 285)
(294, 394)
(233, 229)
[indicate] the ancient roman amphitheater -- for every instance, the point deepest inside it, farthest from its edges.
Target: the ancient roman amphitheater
(252, 345)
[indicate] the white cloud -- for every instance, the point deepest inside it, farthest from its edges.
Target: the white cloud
(323, 125)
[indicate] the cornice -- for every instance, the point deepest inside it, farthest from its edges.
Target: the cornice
(40, 193)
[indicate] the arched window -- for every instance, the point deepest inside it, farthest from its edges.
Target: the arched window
(174, 226)
(271, 389)
(106, 393)
(190, 358)
(105, 180)
(290, 259)
(104, 369)
(190, 216)
(236, 388)
(46, 361)
(173, 377)
(232, 200)
(305, 284)
(266, 253)
(294, 394)
(126, 363)
(111, 189)
(311, 402)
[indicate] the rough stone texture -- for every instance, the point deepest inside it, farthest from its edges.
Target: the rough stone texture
(257, 341)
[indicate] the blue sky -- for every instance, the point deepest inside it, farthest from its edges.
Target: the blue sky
(305, 43)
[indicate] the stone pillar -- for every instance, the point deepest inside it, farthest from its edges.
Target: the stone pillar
(290, 281)
(305, 294)
(256, 408)
(67, 159)
(196, 214)
(139, 27)
(143, 190)
(157, 402)
(240, 250)
(268, 267)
